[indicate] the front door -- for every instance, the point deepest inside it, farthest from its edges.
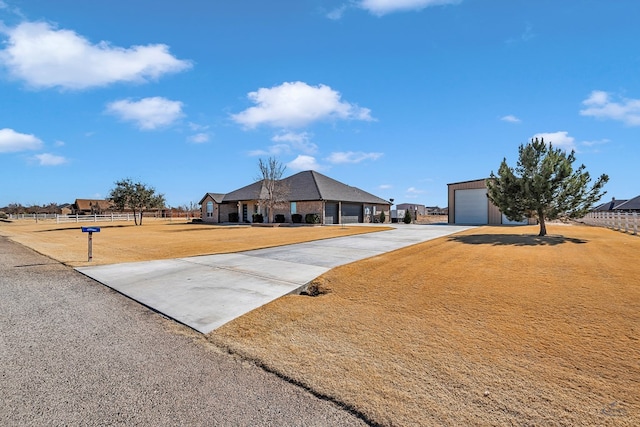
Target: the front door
(245, 209)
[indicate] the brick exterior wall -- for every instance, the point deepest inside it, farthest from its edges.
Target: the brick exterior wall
(302, 208)
(226, 209)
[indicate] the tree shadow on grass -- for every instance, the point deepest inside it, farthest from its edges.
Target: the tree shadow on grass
(515, 240)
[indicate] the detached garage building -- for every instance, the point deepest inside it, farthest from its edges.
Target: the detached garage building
(469, 204)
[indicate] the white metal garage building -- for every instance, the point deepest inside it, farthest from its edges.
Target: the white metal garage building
(469, 204)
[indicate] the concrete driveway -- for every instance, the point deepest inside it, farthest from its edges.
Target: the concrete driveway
(206, 292)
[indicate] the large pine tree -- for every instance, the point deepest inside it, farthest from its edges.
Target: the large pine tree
(543, 185)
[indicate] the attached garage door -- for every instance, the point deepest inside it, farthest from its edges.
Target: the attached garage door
(331, 213)
(471, 206)
(351, 213)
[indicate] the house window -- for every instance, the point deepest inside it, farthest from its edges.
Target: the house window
(294, 208)
(209, 209)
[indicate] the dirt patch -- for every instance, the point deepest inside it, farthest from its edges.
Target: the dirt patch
(494, 326)
(124, 242)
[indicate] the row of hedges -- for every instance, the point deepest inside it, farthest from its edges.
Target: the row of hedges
(312, 218)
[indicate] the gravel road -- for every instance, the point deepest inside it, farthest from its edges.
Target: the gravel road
(73, 352)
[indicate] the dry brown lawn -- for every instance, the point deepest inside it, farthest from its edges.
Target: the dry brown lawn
(157, 239)
(493, 326)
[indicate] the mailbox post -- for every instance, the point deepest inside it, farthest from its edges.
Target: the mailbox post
(90, 230)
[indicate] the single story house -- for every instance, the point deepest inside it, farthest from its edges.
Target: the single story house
(609, 206)
(412, 207)
(91, 207)
(469, 204)
(307, 192)
(631, 205)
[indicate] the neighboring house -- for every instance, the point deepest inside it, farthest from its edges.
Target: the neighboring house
(91, 206)
(66, 209)
(469, 204)
(435, 210)
(631, 205)
(412, 207)
(609, 206)
(308, 192)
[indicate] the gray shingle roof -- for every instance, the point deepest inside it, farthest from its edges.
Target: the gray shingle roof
(605, 207)
(307, 186)
(249, 192)
(217, 197)
(631, 204)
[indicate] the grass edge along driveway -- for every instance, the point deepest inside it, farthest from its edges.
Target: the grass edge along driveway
(492, 326)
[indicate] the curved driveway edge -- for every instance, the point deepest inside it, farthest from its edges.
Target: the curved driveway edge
(206, 292)
(76, 353)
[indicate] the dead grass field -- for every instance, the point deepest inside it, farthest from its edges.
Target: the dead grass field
(493, 326)
(157, 239)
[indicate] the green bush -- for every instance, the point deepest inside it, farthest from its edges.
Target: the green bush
(258, 218)
(296, 218)
(312, 218)
(279, 218)
(233, 217)
(407, 217)
(3, 215)
(382, 217)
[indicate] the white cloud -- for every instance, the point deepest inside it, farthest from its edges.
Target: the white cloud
(288, 142)
(297, 104)
(597, 142)
(385, 186)
(382, 7)
(296, 141)
(352, 157)
(45, 57)
(148, 113)
(273, 150)
(412, 193)
(303, 162)
(510, 119)
(59, 143)
(558, 139)
(12, 141)
(47, 159)
(525, 36)
(600, 105)
(197, 127)
(336, 14)
(199, 138)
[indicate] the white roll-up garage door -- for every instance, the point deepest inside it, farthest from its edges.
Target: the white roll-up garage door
(471, 206)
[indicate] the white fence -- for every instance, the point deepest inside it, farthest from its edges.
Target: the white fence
(622, 221)
(61, 219)
(94, 218)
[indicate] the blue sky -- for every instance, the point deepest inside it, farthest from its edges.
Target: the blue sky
(396, 97)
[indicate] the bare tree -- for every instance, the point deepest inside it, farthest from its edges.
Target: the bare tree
(275, 193)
